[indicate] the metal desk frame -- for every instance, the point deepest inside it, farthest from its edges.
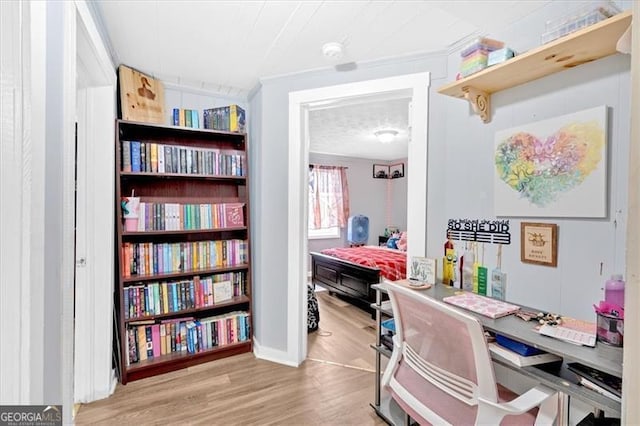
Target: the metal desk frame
(557, 376)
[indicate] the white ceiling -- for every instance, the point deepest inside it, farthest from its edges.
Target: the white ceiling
(226, 46)
(349, 130)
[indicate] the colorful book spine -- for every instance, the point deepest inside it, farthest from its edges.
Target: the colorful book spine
(135, 156)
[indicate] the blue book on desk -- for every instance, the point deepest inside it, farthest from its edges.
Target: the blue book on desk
(515, 346)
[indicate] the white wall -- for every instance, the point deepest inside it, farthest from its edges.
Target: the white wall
(367, 196)
(270, 106)
(467, 163)
(397, 198)
(460, 172)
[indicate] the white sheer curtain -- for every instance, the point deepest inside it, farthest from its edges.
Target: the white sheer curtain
(328, 197)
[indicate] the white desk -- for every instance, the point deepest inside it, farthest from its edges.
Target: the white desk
(604, 358)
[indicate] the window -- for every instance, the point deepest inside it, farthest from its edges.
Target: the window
(328, 201)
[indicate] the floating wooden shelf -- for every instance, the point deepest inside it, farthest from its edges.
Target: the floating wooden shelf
(585, 45)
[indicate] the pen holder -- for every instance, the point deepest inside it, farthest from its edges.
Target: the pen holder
(610, 330)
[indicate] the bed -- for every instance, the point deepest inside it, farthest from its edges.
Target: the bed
(350, 271)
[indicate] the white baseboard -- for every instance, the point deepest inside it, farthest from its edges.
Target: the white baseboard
(273, 355)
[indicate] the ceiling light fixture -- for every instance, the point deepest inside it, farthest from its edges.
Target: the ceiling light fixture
(386, 135)
(333, 50)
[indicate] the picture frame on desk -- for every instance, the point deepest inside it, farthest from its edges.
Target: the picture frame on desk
(539, 243)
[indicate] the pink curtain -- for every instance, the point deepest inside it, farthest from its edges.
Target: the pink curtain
(328, 197)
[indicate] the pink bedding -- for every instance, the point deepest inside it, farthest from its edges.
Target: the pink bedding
(392, 263)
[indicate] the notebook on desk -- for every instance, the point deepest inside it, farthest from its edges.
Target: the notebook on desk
(486, 306)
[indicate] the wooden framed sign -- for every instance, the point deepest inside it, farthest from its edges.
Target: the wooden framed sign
(539, 243)
(141, 96)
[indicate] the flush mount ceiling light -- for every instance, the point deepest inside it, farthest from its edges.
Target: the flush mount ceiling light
(386, 135)
(333, 50)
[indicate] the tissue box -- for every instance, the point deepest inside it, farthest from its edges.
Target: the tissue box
(500, 55)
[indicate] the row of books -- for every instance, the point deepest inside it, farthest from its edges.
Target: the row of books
(186, 118)
(138, 156)
(229, 118)
(174, 296)
(149, 340)
(165, 258)
(179, 217)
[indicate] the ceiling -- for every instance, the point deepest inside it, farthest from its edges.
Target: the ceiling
(349, 130)
(226, 47)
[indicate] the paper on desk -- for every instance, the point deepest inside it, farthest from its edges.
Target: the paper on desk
(571, 330)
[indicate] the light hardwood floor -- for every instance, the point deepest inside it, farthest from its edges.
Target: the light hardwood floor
(334, 386)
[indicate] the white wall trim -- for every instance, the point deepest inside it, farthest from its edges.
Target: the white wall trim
(94, 244)
(94, 258)
(416, 86)
(631, 370)
(272, 355)
(15, 191)
(68, 103)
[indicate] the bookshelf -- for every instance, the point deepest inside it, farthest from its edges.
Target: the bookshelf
(588, 44)
(183, 293)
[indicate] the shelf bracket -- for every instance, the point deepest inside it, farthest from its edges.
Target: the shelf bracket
(480, 102)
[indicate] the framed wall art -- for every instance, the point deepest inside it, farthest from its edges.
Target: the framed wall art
(539, 243)
(380, 171)
(396, 171)
(553, 168)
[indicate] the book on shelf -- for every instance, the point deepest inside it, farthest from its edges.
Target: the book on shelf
(233, 215)
(222, 291)
(230, 118)
(185, 118)
(521, 360)
(126, 156)
(186, 335)
(135, 156)
(597, 380)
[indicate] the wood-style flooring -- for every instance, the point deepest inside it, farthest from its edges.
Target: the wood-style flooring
(334, 386)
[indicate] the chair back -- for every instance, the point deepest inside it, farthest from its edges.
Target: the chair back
(442, 364)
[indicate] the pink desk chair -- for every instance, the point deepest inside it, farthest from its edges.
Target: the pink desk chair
(441, 372)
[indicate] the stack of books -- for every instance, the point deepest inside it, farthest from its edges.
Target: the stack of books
(519, 353)
(229, 118)
(186, 118)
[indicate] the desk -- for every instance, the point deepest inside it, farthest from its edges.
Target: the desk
(602, 357)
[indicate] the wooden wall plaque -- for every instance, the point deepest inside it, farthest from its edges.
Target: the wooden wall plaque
(141, 96)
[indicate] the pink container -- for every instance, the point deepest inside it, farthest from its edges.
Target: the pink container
(614, 290)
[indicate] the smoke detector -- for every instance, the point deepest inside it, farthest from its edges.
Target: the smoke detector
(333, 50)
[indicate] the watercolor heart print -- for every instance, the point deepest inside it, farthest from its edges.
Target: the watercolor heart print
(543, 167)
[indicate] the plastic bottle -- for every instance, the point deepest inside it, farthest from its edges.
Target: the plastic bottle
(614, 290)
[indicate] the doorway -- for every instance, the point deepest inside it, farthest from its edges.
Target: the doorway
(413, 86)
(95, 111)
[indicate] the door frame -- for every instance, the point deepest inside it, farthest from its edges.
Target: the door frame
(94, 377)
(414, 86)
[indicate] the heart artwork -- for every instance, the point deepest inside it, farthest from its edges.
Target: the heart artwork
(542, 169)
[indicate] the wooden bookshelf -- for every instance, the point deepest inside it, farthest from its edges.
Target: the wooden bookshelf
(204, 250)
(588, 44)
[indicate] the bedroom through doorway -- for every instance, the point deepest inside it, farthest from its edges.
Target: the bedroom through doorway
(302, 104)
(343, 138)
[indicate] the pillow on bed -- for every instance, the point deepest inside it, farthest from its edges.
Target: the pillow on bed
(402, 242)
(392, 243)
